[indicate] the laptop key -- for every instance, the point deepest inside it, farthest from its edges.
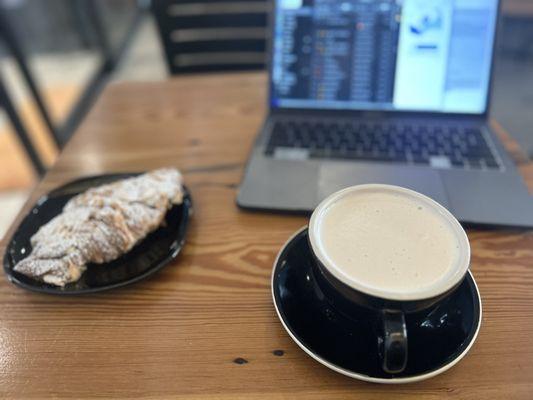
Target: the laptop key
(474, 162)
(317, 153)
(491, 163)
(420, 159)
(291, 153)
(457, 162)
(440, 162)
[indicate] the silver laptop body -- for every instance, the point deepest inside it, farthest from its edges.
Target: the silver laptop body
(326, 132)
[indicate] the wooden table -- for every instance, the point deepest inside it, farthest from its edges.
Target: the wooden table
(176, 335)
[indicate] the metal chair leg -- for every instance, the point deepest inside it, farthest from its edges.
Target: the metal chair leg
(7, 105)
(11, 41)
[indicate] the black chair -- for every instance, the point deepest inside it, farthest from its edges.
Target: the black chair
(213, 35)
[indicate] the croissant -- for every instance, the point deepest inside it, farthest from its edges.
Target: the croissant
(101, 224)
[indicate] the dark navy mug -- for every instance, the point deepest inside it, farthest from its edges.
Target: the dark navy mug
(345, 292)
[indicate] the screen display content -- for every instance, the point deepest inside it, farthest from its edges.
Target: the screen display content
(410, 55)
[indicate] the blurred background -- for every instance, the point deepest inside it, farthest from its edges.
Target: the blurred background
(56, 56)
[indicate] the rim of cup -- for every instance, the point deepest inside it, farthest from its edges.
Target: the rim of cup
(453, 277)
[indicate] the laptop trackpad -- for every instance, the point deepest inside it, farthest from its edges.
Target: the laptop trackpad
(336, 176)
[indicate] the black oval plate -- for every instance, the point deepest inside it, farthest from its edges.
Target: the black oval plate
(146, 258)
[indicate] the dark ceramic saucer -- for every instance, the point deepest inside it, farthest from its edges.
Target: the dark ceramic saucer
(437, 338)
(146, 258)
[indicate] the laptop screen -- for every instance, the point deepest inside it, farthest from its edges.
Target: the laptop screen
(402, 55)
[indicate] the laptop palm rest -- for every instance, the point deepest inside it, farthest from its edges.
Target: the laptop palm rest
(335, 176)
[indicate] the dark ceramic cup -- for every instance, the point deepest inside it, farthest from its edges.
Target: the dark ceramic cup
(347, 293)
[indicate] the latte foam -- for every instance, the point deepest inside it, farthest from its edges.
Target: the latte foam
(389, 240)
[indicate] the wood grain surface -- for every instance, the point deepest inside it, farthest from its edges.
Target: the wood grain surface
(177, 334)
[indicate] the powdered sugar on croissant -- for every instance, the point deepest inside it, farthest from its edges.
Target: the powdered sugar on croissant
(101, 224)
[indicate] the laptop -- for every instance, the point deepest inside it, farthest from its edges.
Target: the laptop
(384, 91)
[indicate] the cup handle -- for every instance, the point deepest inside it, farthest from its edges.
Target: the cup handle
(394, 341)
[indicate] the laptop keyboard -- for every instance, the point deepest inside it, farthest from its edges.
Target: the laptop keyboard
(438, 146)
